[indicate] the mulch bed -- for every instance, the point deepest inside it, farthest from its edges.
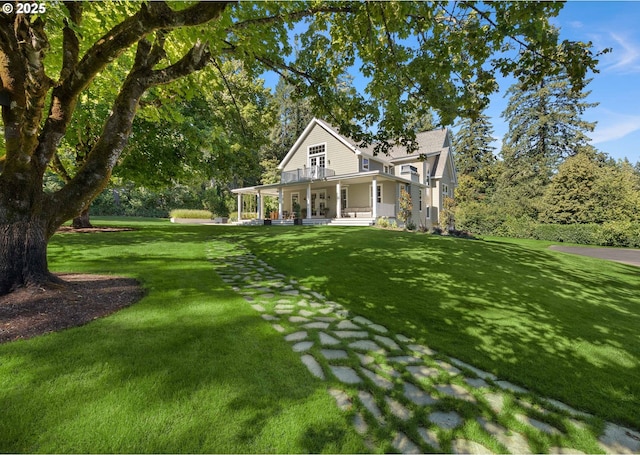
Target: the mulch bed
(32, 311)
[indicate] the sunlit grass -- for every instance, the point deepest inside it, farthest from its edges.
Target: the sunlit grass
(561, 325)
(189, 369)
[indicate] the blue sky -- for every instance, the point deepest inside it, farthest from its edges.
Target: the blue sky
(608, 24)
(616, 87)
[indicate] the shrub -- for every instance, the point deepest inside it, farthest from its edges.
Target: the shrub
(619, 233)
(383, 222)
(188, 213)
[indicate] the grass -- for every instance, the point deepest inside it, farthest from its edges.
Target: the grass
(564, 326)
(192, 368)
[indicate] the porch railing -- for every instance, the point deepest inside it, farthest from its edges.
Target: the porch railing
(308, 173)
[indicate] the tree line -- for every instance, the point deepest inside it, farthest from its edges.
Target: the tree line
(547, 181)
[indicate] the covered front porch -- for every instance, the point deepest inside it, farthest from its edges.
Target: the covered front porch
(368, 196)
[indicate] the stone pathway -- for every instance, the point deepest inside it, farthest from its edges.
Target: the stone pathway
(403, 396)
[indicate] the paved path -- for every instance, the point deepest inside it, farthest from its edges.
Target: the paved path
(623, 255)
(404, 396)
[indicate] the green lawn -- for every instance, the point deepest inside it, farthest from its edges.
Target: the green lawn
(561, 325)
(192, 368)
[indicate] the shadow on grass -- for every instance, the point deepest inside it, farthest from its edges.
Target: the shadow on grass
(562, 326)
(190, 368)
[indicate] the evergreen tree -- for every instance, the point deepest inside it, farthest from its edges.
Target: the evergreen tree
(545, 127)
(475, 160)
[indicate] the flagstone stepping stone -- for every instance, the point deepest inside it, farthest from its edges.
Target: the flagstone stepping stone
(291, 292)
(542, 426)
(403, 339)
(248, 298)
(259, 308)
(361, 320)
(366, 345)
(316, 305)
(496, 401)
(283, 312)
(298, 319)
(346, 375)
(284, 301)
(378, 380)
(333, 354)
(325, 310)
(347, 325)
(398, 410)
(456, 391)
(404, 444)
(446, 420)
(277, 327)
(417, 395)
(327, 340)
(476, 382)
(378, 328)
(422, 349)
(360, 424)
(513, 441)
(317, 325)
(342, 399)
(297, 336)
(269, 317)
(404, 359)
(422, 371)
(565, 450)
(282, 306)
(324, 318)
(388, 342)
(430, 437)
(266, 296)
(506, 385)
(306, 313)
(350, 334)
(565, 407)
(470, 447)
(302, 346)
(317, 295)
(365, 359)
(369, 403)
(313, 366)
(448, 367)
(617, 439)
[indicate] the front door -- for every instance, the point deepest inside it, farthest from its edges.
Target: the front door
(318, 203)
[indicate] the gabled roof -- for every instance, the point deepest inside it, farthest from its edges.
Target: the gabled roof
(434, 143)
(328, 128)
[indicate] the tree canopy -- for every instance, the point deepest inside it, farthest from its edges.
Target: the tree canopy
(441, 54)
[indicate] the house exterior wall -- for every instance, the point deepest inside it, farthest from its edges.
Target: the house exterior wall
(339, 157)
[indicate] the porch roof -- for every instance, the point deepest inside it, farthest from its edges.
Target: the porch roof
(350, 179)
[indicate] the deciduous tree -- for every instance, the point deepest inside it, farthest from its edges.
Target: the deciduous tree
(439, 53)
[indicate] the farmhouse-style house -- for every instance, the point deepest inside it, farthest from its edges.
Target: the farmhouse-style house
(327, 178)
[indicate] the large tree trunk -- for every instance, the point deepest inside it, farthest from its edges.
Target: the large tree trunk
(23, 255)
(82, 221)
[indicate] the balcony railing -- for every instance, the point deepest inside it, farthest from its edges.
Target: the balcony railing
(306, 174)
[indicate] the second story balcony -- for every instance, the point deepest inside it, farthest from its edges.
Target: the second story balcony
(306, 174)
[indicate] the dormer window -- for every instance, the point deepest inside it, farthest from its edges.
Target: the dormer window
(365, 164)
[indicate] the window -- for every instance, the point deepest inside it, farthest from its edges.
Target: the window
(420, 201)
(317, 149)
(343, 198)
(365, 164)
(445, 190)
(378, 194)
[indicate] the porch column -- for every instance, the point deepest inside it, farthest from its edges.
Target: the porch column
(309, 201)
(338, 201)
(260, 215)
(239, 207)
(374, 197)
(280, 203)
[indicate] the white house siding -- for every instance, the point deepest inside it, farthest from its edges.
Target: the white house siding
(340, 158)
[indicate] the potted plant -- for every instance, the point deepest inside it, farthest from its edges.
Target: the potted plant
(296, 211)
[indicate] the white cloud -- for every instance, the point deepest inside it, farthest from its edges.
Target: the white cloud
(613, 126)
(625, 57)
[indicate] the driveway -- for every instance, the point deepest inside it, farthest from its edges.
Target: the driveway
(623, 255)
